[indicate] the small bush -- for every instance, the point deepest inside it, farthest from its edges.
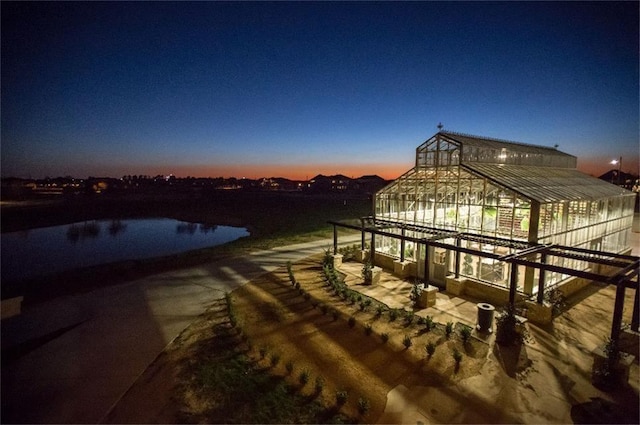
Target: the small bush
(406, 341)
(379, 311)
(448, 330)
(428, 323)
(362, 306)
(421, 320)
(341, 397)
(289, 367)
(275, 359)
(408, 318)
(393, 315)
(363, 405)
(303, 378)
(352, 321)
(457, 356)
(319, 385)
(384, 336)
(368, 329)
(431, 349)
(465, 334)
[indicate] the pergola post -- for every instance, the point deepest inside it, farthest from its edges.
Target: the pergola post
(541, 277)
(426, 264)
(513, 283)
(372, 252)
(362, 241)
(636, 313)
(335, 240)
(402, 245)
(457, 265)
(616, 323)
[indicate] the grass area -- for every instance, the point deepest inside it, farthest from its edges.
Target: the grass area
(274, 219)
(224, 384)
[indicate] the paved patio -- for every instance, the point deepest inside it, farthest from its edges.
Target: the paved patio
(395, 293)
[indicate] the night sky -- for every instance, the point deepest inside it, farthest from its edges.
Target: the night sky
(252, 90)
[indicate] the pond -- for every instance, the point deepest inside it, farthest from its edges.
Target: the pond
(48, 250)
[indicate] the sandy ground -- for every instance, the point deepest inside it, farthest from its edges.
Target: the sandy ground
(545, 381)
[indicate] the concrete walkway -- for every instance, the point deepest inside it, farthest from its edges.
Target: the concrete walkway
(79, 354)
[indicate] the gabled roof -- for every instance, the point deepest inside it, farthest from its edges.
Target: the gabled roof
(547, 184)
(487, 142)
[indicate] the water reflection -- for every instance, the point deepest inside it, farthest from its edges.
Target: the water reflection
(86, 230)
(116, 227)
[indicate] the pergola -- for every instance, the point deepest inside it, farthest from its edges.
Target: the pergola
(626, 268)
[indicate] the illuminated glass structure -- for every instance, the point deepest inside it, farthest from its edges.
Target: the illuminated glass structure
(510, 192)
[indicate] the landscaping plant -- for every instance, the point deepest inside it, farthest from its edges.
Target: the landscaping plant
(406, 341)
(363, 405)
(448, 330)
(431, 349)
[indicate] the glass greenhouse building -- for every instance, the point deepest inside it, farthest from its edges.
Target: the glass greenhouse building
(493, 200)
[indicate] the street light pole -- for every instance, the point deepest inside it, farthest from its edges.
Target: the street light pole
(619, 162)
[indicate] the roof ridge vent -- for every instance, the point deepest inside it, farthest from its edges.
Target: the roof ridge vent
(493, 139)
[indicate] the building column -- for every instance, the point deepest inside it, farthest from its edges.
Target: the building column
(362, 241)
(335, 240)
(402, 245)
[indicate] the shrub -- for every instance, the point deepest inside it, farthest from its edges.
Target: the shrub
(368, 329)
(379, 311)
(352, 321)
(367, 273)
(352, 298)
(408, 318)
(363, 405)
(393, 315)
(406, 341)
(304, 377)
(428, 323)
(289, 367)
(421, 320)
(506, 328)
(341, 397)
(327, 259)
(457, 356)
(448, 330)
(319, 384)
(384, 336)
(275, 359)
(556, 298)
(431, 349)
(465, 334)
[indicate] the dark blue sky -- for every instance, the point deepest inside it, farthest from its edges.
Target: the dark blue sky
(296, 89)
